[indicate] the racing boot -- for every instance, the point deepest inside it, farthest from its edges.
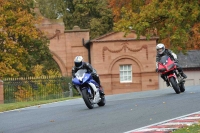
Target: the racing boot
(183, 75)
(165, 79)
(167, 83)
(76, 90)
(101, 91)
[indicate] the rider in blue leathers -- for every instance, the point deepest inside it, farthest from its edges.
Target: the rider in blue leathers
(80, 64)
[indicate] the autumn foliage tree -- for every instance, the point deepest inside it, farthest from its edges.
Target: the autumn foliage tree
(130, 5)
(175, 22)
(87, 14)
(116, 6)
(22, 45)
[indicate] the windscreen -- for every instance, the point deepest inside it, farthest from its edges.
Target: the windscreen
(163, 59)
(80, 72)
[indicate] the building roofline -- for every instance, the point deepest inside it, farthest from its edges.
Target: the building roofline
(125, 39)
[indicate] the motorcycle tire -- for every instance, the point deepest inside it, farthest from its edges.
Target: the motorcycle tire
(103, 101)
(182, 87)
(86, 99)
(174, 85)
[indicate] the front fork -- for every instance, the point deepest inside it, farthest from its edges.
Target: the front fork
(176, 76)
(78, 89)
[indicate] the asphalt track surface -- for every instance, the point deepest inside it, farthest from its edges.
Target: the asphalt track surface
(122, 113)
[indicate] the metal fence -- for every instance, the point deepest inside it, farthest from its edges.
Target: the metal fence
(40, 88)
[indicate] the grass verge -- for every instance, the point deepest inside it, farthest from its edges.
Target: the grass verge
(17, 105)
(190, 129)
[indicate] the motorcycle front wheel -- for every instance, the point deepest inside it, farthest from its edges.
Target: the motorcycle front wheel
(174, 85)
(86, 99)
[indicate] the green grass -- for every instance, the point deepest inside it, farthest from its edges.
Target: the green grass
(190, 129)
(17, 105)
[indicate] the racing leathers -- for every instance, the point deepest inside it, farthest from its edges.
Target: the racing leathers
(91, 70)
(171, 55)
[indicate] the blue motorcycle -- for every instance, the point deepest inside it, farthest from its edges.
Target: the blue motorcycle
(88, 88)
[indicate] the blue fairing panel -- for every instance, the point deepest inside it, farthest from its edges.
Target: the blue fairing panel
(94, 82)
(76, 81)
(86, 77)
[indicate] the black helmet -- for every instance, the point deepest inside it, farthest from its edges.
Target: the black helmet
(78, 61)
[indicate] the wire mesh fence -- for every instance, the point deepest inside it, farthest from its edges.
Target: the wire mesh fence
(40, 88)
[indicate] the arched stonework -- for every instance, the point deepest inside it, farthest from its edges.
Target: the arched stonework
(64, 44)
(125, 57)
(113, 49)
(135, 85)
(105, 52)
(60, 63)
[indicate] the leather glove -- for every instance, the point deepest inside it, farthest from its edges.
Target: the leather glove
(93, 74)
(176, 61)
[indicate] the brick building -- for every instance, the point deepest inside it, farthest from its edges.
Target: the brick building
(112, 55)
(124, 64)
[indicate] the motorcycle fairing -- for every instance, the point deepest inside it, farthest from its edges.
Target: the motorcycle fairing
(80, 81)
(97, 95)
(166, 64)
(83, 77)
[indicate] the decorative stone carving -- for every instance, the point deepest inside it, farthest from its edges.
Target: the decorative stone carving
(124, 47)
(57, 33)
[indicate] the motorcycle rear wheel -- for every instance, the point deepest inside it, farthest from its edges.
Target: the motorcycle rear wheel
(174, 85)
(86, 99)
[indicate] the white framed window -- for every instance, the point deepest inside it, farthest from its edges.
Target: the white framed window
(125, 73)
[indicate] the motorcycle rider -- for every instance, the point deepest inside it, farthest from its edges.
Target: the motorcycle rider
(80, 64)
(161, 51)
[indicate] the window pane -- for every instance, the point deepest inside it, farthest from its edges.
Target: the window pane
(129, 73)
(121, 79)
(125, 73)
(125, 78)
(121, 68)
(121, 74)
(129, 67)
(125, 68)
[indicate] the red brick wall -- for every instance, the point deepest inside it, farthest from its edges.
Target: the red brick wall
(65, 44)
(107, 53)
(113, 50)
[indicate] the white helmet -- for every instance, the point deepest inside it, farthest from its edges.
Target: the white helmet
(78, 61)
(160, 48)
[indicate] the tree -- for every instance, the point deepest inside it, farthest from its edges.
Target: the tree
(87, 14)
(22, 45)
(130, 5)
(116, 6)
(176, 22)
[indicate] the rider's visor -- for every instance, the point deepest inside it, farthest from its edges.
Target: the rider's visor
(160, 50)
(78, 64)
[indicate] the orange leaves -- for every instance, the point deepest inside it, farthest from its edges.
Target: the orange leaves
(18, 35)
(177, 22)
(194, 41)
(23, 93)
(116, 6)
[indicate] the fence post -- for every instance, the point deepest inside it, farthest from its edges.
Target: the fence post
(1, 92)
(70, 90)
